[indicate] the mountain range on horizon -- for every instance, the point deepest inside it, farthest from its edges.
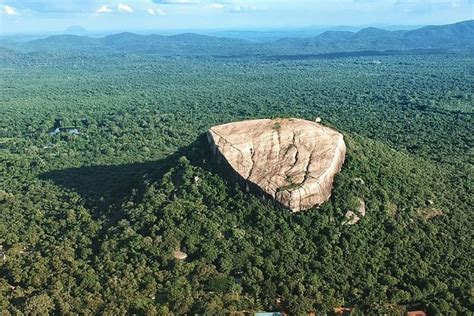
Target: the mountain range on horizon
(451, 37)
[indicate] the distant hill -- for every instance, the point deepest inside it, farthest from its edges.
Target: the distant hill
(458, 36)
(177, 45)
(65, 44)
(459, 32)
(453, 37)
(266, 36)
(75, 30)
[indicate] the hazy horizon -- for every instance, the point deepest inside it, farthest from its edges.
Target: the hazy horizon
(46, 16)
(243, 29)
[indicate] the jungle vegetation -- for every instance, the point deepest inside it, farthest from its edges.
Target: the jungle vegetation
(89, 221)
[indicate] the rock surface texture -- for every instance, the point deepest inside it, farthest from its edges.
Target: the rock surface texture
(292, 160)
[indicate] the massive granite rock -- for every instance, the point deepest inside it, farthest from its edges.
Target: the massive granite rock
(292, 160)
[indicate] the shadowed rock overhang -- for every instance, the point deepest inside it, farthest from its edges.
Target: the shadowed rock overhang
(292, 160)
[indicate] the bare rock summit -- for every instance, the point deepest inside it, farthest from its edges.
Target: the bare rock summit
(292, 160)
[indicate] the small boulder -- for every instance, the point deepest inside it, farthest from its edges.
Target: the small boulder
(353, 217)
(179, 255)
(359, 180)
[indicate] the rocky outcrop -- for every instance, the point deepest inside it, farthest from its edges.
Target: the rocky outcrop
(292, 160)
(352, 217)
(178, 254)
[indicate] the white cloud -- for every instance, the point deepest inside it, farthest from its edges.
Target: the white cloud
(104, 9)
(216, 6)
(156, 11)
(123, 7)
(9, 10)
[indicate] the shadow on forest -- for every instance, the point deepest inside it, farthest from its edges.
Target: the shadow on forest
(103, 186)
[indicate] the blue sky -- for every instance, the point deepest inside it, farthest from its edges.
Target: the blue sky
(95, 15)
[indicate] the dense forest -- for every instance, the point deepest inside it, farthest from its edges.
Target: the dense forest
(92, 215)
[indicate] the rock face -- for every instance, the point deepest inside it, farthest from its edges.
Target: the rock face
(292, 160)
